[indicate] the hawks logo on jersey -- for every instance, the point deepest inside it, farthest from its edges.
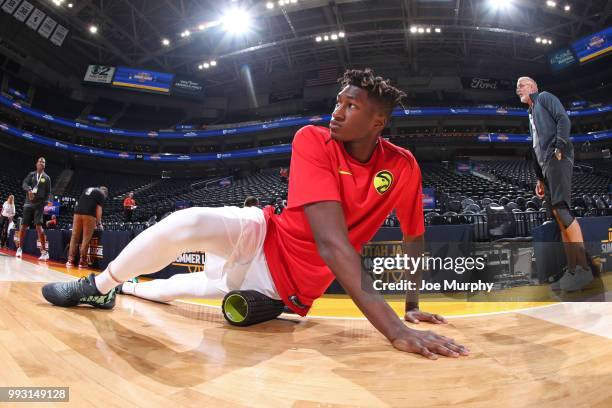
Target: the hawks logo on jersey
(382, 181)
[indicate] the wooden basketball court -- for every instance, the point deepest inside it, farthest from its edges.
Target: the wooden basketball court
(185, 354)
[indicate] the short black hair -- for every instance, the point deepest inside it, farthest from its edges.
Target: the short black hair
(378, 88)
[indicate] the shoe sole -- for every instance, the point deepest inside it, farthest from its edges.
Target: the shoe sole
(105, 306)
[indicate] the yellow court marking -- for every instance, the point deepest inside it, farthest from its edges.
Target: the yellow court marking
(506, 300)
(342, 306)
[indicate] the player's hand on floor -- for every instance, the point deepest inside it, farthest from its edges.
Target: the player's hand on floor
(428, 344)
(416, 316)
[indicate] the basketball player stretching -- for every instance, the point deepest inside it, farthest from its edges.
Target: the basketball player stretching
(344, 181)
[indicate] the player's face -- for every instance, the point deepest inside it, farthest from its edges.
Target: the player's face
(355, 116)
(40, 164)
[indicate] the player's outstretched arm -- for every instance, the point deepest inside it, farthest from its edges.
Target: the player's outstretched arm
(328, 226)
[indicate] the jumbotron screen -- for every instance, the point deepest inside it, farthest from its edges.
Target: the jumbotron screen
(143, 80)
(593, 46)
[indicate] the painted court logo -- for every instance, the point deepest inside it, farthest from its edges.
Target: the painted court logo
(382, 181)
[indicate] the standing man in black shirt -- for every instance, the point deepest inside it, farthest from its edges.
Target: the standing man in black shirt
(87, 215)
(37, 185)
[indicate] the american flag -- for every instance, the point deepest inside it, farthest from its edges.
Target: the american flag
(323, 76)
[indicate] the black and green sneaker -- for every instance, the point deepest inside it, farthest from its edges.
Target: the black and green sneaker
(82, 291)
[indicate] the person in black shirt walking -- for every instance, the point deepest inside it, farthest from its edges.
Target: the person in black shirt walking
(87, 215)
(37, 185)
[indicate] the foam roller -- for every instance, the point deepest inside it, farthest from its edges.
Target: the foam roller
(247, 307)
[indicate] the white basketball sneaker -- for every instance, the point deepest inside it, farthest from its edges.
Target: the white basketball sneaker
(19, 253)
(44, 256)
(576, 280)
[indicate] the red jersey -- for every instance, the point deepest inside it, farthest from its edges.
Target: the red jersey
(322, 170)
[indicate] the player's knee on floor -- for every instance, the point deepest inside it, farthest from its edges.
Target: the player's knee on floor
(563, 215)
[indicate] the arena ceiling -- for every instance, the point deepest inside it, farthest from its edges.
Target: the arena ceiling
(282, 41)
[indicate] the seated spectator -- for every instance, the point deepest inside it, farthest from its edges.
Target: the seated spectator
(52, 223)
(284, 174)
(251, 202)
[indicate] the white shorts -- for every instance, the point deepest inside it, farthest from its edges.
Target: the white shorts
(244, 267)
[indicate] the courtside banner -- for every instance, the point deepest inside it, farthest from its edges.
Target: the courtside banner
(52, 208)
(187, 262)
(100, 74)
(143, 80)
(525, 138)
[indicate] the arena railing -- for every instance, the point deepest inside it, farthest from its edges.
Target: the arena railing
(172, 157)
(279, 123)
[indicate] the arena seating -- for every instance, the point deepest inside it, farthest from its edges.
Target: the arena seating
(148, 117)
(161, 197)
(466, 198)
(266, 187)
(106, 108)
(18, 85)
(57, 102)
(461, 197)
